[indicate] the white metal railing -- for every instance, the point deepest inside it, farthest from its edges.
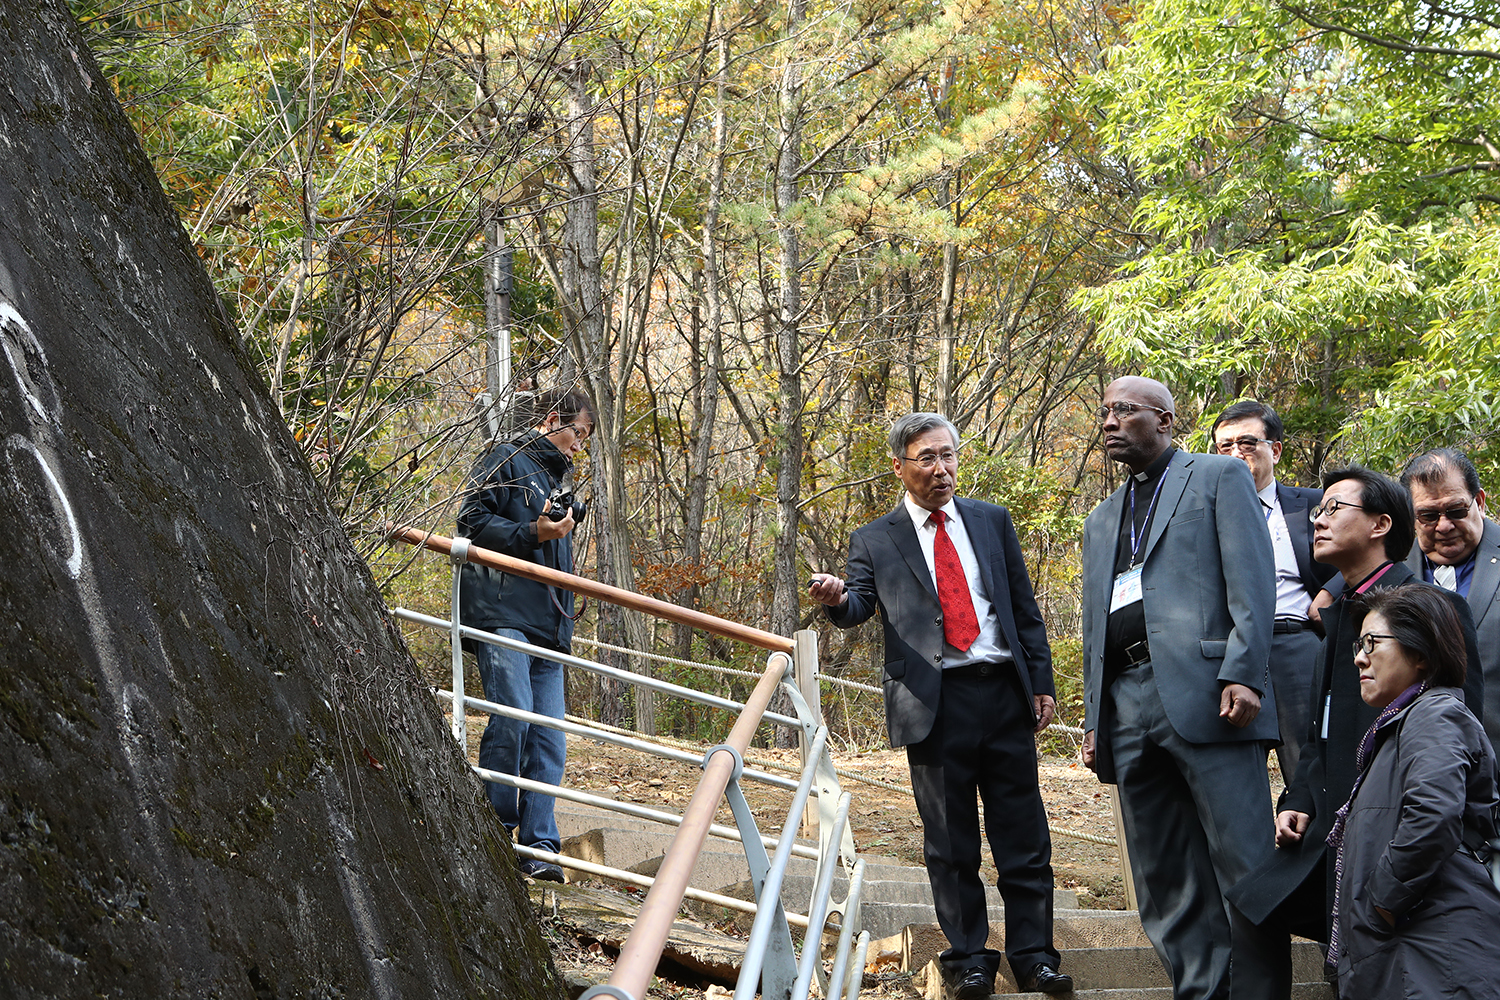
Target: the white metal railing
(771, 960)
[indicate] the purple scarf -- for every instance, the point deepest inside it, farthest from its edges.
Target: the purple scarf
(1362, 758)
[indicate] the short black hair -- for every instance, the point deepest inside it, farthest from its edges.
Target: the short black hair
(1247, 408)
(915, 424)
(1422, 619)
(1432, 468)
(1380, 494)
(566, 403)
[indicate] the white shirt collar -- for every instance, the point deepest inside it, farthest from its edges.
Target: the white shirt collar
(919, 513)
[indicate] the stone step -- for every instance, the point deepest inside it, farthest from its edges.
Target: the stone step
(1300, 991)
(1120, 973)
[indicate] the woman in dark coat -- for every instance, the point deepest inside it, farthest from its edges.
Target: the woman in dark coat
(1416, 914)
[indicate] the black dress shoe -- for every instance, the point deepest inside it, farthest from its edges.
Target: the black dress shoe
(1046, 979)
(975, 985)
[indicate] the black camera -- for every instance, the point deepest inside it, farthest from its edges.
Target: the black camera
(562, 501)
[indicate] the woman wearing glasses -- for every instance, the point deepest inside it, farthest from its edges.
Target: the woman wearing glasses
(1416, 914)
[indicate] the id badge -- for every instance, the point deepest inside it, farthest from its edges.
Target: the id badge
(1127, 589)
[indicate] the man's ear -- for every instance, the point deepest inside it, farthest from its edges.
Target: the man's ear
(1479, 500)
(1382, 526)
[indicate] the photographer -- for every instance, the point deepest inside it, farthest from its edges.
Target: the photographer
(509, 508)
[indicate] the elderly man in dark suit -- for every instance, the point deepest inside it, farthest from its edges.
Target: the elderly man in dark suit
(1251, 431)
(1178, 604)
(968, 683)
(1458, 549)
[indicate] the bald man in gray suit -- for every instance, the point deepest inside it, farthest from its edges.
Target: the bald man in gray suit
(1178, 604)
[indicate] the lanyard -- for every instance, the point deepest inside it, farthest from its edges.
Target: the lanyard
(1135, 544)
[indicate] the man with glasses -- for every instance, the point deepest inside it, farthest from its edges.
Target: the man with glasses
(1178, 604)
(1458, 548)
(508, 509)
(1251, 431)
(968, 684)
(1363, 527)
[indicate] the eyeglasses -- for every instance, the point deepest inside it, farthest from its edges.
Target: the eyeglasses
(1123, 410)
(1330, 507)
(1455, 514)
(930, 459)
(1366, 643)
(580, 432)
(1241, 444)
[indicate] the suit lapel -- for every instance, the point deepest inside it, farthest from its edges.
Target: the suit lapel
(1100, 573)
(1298, 529)
(1486, 579)
(982, 539)
(1174, 482)
(904, 536)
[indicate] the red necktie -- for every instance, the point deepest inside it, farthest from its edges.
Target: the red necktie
(960, 626)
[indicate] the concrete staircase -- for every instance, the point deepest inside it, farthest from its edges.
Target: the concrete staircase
(1105, 951)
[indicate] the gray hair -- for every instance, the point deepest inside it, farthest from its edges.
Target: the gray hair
(916, 424)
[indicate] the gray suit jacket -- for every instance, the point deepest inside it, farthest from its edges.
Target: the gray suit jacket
(1484, 602)
(888, 572)
(1209, 590)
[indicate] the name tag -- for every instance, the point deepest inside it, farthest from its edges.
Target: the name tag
(1127, 589)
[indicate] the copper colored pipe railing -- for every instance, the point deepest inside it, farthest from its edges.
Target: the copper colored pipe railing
(642, 949)
(601, 591)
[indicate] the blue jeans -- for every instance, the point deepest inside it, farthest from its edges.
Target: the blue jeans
(532, 684)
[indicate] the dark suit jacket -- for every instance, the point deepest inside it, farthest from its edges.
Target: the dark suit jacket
(1209, 590)
(887, 573)
(1325, 774)
(1295, 502)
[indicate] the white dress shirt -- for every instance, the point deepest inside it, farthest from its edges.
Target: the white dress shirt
(990, 647)
(1291, 595)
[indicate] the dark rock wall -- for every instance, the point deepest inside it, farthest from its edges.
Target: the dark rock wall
(219, 774)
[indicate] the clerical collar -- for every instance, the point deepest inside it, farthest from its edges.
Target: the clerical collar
(1156, 468)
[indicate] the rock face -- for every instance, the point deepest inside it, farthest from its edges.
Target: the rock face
(219, 774)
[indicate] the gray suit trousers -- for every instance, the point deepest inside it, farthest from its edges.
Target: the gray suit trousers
(1197, 817)
(1294, 657)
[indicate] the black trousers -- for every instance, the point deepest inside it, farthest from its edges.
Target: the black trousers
(983, 748)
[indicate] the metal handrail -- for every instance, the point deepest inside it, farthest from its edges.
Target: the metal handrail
(602, 591)
(770, 949)
(665, 687)
(629, 809)
(599, 736)
(643, 948)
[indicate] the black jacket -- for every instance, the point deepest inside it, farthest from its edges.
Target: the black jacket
(507, 491)
(1326, 771)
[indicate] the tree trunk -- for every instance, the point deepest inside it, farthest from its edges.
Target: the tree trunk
(710, 356)
(785, 579)
(584, 306)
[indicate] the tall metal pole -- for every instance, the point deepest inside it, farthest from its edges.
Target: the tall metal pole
(499, 280)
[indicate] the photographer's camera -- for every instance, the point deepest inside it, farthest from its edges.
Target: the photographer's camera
(562, 502)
